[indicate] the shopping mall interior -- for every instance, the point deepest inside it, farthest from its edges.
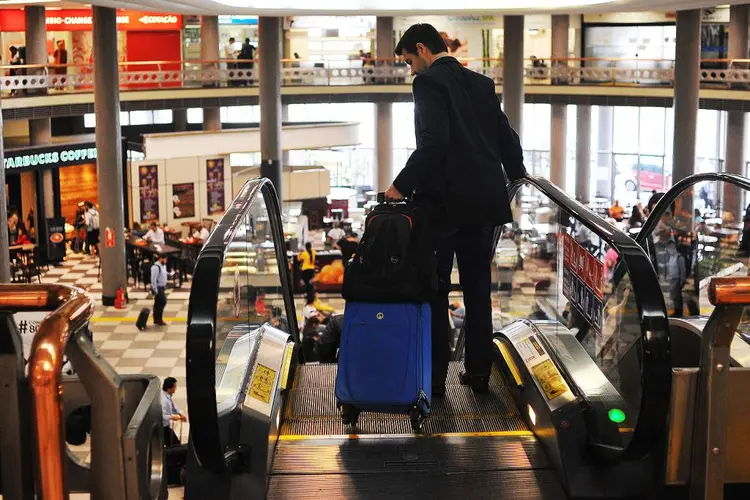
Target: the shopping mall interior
(191, 191)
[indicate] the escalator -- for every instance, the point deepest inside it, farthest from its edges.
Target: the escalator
(579, 395)
(698, 225)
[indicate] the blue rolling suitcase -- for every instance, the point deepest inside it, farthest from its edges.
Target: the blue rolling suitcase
(385, 361)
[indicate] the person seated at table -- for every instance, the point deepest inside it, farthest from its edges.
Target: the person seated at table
(202, 234)
(137, 230)
(155, 235)
(23, 237)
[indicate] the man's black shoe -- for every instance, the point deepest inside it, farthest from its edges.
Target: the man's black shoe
(479, 385)
(438, 391)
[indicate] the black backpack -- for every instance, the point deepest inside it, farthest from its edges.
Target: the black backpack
(395, 260)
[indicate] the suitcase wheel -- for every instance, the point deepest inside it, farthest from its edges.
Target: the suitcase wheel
(417, 421)
(349, 415)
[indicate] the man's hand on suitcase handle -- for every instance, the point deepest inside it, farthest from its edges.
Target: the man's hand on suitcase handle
(393, 194)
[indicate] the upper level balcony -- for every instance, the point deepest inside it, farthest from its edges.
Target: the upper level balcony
(572, 80)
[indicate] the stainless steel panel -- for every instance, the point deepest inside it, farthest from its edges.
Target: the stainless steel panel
(681, 421)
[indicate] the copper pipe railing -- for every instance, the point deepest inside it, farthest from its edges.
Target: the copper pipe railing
(72, 309)
(729, 291)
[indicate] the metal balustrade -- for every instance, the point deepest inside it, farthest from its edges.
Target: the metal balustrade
(40, 79)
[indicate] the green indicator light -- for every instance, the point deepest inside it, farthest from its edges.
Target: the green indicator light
(616, 415)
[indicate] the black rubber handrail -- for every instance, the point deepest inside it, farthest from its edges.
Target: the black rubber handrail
(212, 454)
(676, 190)
(655, 344)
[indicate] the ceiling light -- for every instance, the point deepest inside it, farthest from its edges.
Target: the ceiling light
(25, 2)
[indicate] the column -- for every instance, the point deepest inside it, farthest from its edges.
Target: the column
(4, 252)
(686, 91)
(605, 140)
(210, 52)
(109, 156)
(383, 110)
(179, 117)
(559, 131)
(583, 153)
(284, 119)
(513, 71)
(269, 41)
(739, 18)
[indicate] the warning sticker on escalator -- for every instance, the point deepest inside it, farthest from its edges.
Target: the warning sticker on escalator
(550, 379)
(261, 386)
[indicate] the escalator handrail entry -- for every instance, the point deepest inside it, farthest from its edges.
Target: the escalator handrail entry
(676, 191)
(200, 361)
(655, 344)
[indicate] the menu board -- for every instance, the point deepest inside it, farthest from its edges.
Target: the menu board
(215, 185)
(148, 188)
(583, 281)
(183, 200)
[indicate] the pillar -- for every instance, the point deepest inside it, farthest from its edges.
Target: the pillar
(686, 91)
(4, 252)
(739, 18)
(583, 153)
(559, 129)
(269, 41)
(179, 117)
(210, 52)
(513, 71)
(284, 119)
(605, 140)
(383, 110)
(109, 157)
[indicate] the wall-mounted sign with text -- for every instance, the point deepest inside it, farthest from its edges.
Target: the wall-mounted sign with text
(83, 20)
(51, 157)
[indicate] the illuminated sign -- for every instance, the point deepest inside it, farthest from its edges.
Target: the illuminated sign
(83, 20)
(60, 156)
(234, 19)
(583, 281)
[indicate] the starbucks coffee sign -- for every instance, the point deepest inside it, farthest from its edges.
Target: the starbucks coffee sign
(49, 157)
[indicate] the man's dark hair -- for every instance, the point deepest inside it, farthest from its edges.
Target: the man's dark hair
(425, 34)
(169, 383)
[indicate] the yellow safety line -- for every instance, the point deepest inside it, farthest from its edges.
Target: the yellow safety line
(134, 319)
(308, 437)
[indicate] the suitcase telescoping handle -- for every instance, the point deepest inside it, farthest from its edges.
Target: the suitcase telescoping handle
(381, 199)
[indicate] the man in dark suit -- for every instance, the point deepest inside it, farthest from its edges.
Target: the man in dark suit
(463, 142)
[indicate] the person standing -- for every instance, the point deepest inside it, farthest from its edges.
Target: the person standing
(169, 411)
(456, 175)
(91, 218)
(158, 288)
(307, 266)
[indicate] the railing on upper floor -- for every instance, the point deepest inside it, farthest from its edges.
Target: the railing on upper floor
(33, 79)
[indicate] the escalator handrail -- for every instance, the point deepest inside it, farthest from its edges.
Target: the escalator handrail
(676, 191)
(202, 313)
(655, 345)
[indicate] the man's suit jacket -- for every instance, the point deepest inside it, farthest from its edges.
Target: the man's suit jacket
(464, 140)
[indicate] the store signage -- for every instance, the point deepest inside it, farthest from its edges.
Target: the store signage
(83, 20)
(244, 20)
(56, 239)
(148, 187)
(60, 156)
(583, 281)
(215, 186)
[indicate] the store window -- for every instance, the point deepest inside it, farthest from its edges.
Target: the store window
(195, 115)
(141, 117)
(163, 116)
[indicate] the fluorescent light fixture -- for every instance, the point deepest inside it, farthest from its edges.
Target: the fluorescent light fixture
(25, 2)
(408, 5)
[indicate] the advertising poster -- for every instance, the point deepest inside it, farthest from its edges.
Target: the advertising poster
(56, 239)
(215, 185)
(148, 188)
(183, 200)
(583, 281)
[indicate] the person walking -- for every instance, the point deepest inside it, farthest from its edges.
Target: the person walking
(307, 266)
(91, 218)
(158, 288)
(456, 174)
(169, 411)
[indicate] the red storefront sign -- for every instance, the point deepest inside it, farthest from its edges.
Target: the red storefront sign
(83, 20)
